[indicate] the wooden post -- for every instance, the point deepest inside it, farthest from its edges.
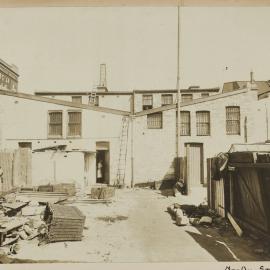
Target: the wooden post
(188, 169)
(209, 183)
(54, 171)
(231, 194)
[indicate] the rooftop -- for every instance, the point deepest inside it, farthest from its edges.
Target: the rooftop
(263, 86)
(11, 67)
(140, 91)
(62, 102)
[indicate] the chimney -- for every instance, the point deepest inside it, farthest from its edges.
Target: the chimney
(251, 85)
(102, 78)
(251, 77)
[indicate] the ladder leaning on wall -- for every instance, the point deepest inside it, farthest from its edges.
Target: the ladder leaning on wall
(121, 168)
(92, 97)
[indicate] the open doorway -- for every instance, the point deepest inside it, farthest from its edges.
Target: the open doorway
(102, 163)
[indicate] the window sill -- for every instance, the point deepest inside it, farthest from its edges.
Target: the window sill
(55, 137)
(74, 137)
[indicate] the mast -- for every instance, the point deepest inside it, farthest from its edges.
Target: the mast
(178, 96)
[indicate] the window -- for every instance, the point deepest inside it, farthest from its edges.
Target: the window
(186, 97)
(25, 145)
(203, 95)
(97, 101)
(166, 99)
(203, 123)
(233, 120)
(77, 99)
(55, 124)
(147, 102)
(74, 124)
(185, 123)
(154, 120)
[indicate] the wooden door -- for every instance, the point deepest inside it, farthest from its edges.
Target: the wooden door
(194, 164)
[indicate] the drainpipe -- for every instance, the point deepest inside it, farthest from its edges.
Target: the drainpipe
(245, 129)
(132, 118)
(178, 97)
(267, 124)
(132, 151)
(54, 171)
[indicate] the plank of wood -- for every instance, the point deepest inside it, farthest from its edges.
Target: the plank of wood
(15, 205)
(10, 241)
(93, 201)
(235, 225)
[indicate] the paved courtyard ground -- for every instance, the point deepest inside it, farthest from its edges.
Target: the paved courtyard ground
(137, 228)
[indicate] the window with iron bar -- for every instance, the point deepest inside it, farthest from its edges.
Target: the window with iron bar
(55, 124)
(154, 120)
(186, 97)
(74, 124)
(203, 123)
(147, 102)
(166, 99)
(184, 123)
(233, 120)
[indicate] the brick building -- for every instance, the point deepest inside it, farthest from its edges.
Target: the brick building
(68, 138)
(135, 100)
(8, 76)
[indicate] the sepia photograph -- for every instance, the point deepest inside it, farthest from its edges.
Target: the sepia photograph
(134, 133)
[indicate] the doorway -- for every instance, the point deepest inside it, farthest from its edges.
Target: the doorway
(102, 163)
(194, 153)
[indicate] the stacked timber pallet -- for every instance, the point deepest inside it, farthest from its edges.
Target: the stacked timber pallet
(65, 223)
(67, 188)
(102, 193)
(42, 197)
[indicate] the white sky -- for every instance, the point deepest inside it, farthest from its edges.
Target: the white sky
(61, 48)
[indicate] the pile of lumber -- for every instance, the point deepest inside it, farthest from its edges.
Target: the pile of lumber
(102, 193)
(67, 188)
(43, 197)
(65, 223)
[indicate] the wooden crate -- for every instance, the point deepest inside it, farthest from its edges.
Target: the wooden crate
(65, 223)
(45, 188)
(102, 192)
(68, 188)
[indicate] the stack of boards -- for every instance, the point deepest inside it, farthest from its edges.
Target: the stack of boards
(65, 223)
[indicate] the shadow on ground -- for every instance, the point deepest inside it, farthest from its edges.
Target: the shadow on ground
(219, 251)
(224, 245)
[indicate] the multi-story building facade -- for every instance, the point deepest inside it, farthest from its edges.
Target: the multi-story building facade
(133, 101)
(70, 138)
(8, 76)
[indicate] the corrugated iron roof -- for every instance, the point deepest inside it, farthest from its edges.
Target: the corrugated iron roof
(263, 86)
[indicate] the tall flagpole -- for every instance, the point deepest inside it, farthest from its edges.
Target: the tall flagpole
(178, 96)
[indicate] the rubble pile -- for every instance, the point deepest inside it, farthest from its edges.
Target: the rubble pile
(185, 214)
(23, 218)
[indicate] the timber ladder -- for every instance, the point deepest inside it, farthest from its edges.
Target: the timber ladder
(92, 98)
(121, 168)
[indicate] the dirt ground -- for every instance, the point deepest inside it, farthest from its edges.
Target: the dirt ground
(136, 227)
